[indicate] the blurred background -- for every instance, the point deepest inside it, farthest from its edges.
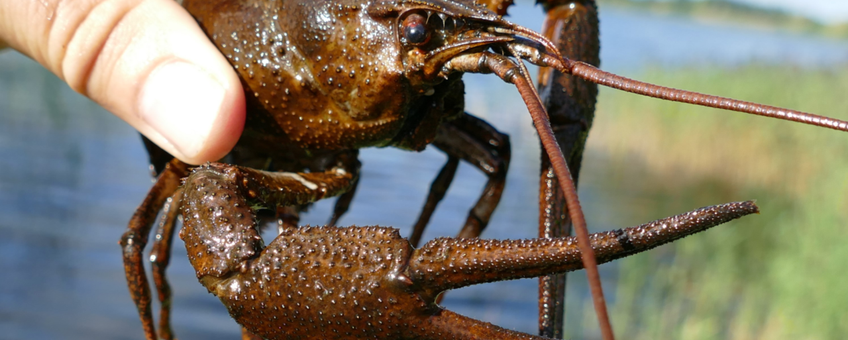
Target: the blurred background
(72, 174)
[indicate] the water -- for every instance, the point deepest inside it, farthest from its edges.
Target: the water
(73, 174)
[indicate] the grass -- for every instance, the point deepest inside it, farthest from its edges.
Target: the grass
(777, 275)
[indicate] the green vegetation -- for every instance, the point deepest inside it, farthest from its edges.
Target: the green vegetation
(777, 275)
(726, 11)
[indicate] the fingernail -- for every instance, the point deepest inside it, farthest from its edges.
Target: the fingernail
(181, 102)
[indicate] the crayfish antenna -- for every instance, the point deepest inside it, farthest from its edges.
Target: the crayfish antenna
(597, 76)
(446, 263)
(566, 183)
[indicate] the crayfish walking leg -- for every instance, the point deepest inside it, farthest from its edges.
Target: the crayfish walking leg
(134, 240)
(473, 140)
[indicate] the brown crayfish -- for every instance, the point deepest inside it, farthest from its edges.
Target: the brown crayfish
(325, 78)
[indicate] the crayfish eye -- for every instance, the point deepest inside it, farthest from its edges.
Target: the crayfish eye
(415, 30)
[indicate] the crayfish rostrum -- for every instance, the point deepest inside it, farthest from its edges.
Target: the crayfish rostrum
(326, 78)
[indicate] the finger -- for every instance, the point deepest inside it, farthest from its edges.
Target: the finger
(146, 61)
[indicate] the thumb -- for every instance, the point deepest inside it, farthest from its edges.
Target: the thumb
(146, 61)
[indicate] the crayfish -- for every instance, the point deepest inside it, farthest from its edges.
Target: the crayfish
(326, 78)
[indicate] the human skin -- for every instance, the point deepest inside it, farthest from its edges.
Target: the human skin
(146, 61)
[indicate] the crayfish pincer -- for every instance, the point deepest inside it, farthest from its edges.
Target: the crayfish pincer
(369, 282)
(326, 78)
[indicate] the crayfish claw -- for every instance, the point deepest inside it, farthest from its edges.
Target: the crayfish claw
(447, 263)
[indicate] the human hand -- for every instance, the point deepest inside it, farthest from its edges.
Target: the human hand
(146, 61)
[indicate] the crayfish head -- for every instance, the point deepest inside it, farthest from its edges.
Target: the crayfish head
(434, 33)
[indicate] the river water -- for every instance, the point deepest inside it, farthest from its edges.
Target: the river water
(73, 174)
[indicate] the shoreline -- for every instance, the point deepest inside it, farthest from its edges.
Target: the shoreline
(723, 11)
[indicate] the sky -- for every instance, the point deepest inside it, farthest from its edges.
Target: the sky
(825, 11)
